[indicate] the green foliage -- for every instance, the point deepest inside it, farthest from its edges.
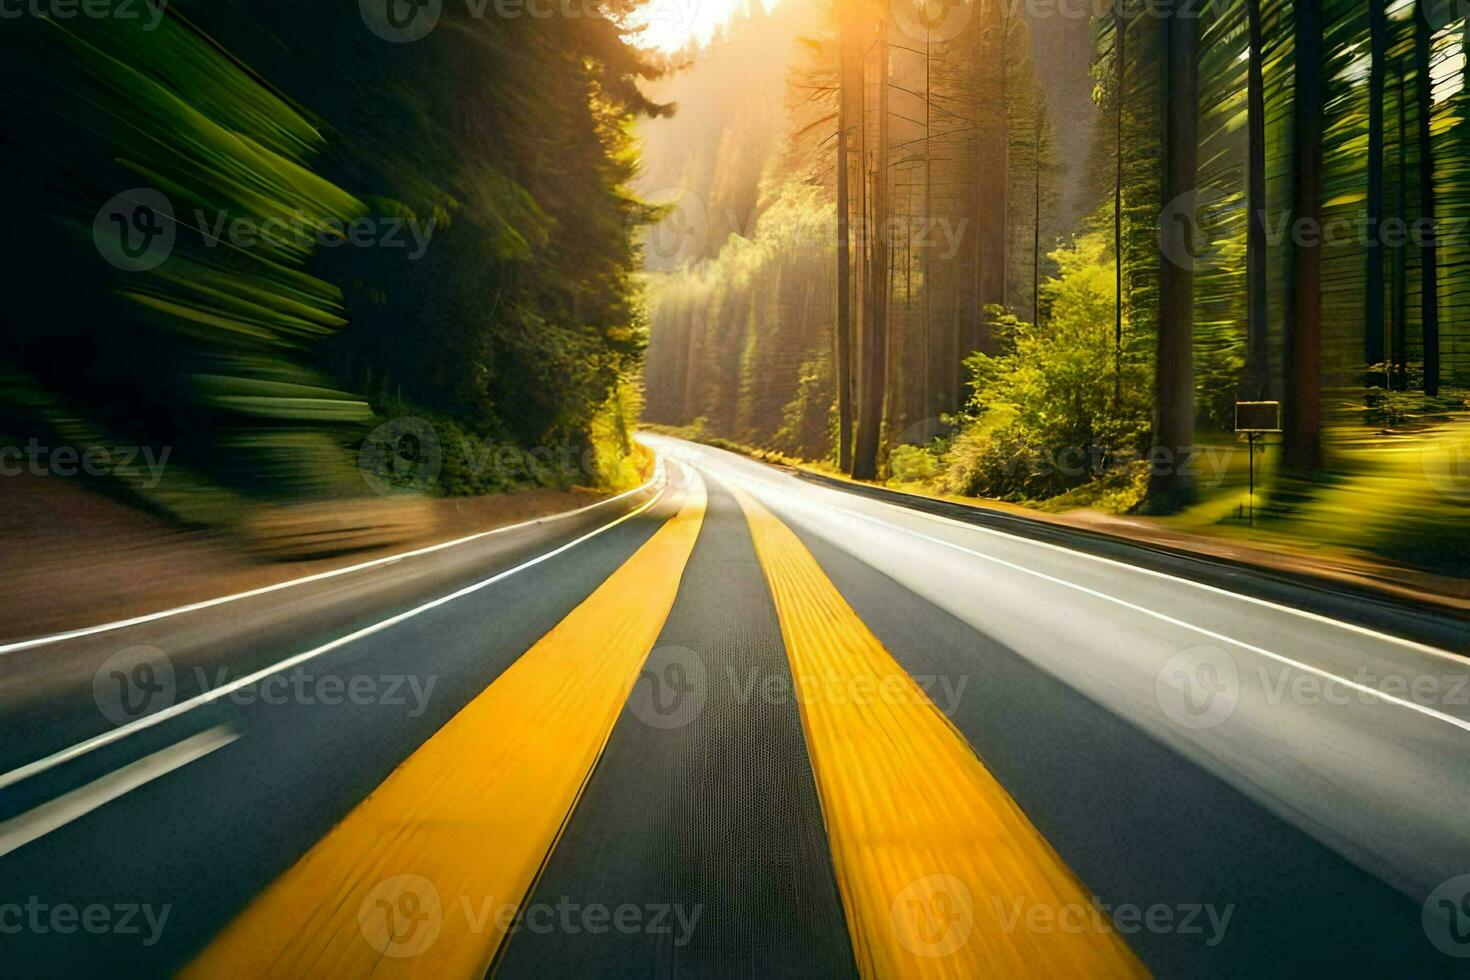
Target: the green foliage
(619, 461)
(811, 413)
(262, 364)
(742, 341)
(911, 464)
(1047, 414)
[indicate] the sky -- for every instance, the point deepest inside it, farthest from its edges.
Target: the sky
(672, 23)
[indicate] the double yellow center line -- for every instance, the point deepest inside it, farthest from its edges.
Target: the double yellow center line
(932, 856)
(415, 880)
(933, 859)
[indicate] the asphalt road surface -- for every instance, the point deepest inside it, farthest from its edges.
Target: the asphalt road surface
(735, 724)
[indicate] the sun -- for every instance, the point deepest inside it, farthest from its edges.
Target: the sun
(669, 25)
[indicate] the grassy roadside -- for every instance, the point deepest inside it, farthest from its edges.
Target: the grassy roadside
(1322, 535)
(78, 556)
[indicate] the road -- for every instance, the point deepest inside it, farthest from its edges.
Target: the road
(735, 723)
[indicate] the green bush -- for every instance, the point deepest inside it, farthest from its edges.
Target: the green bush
(1048, 414)
(912, 464)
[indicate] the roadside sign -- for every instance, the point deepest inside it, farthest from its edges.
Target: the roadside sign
(1255, 419)
(1257, 416)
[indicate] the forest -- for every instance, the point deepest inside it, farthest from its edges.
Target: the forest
(1000, 250)
(358, 231)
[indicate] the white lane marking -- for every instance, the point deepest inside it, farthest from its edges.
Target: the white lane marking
(19, 831)
(1315, 617)
(1303, 613)
(319, 576)
(214, 694)
(1260, 651)
(1220, 637)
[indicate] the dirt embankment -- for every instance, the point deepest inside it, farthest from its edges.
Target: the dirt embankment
(74, 558)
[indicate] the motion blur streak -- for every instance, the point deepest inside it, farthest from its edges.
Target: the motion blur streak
(920, 831)
(223, 691)
(469, 818)
(320, 576)
(1384, 786)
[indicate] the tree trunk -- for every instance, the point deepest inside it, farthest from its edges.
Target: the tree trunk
(1036, 219)
(1429, 241)
(844, 247)
(1171, 483)
(1002, 181)
(1398, 349)
(990, 211)
(1120, 50)
(930, 408)
(1302, 445)
(1374, 349)
(1256, 274)
(875, 368)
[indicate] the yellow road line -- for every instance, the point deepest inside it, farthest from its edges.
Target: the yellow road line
(940, 872)
(418, 878)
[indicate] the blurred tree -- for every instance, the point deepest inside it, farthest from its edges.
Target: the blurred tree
(1170, 484)
(1303, 408)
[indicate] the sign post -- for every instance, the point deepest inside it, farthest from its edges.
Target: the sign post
(1256, 419)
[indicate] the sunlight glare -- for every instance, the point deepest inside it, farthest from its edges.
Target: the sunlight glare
(671, 24)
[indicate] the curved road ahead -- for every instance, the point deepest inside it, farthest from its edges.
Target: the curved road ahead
(732, 724)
